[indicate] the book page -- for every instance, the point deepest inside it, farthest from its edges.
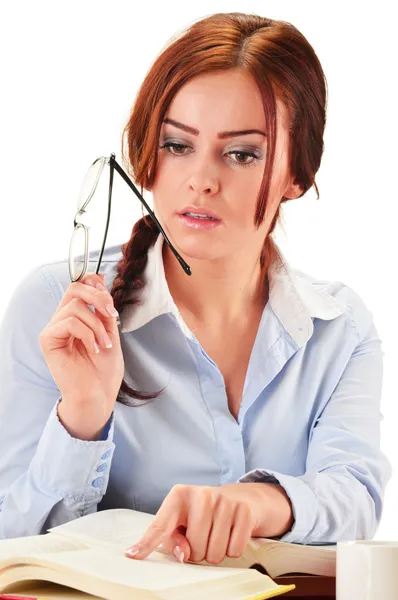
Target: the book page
(156, 572)
(265, 542)
(279, 558)
(36, 544)
(119, 527)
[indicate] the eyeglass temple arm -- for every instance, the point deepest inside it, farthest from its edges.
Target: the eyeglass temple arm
(131, 185)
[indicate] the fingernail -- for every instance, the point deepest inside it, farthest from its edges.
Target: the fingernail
(101, 287)
(107, 340)
(179, 554)
(133, 551)
(112, 310)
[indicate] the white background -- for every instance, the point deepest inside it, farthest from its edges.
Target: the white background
(69, 74)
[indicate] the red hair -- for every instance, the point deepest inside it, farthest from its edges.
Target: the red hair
(282, 63)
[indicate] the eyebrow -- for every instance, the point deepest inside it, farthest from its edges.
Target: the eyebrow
(221, 135)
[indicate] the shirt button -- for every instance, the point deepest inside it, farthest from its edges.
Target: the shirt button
(99, 482)
(106, 455)
(101, 467)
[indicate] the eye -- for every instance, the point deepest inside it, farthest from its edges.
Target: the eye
(176, 149)
(174, 146)
(244, 154)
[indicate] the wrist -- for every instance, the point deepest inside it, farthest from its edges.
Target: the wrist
(82, 423)
(274, 510)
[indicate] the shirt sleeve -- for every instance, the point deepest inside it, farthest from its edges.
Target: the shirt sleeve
(47, 477)
(340, 495)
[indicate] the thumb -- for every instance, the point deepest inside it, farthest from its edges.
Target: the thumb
(177, 544)
(103, 279)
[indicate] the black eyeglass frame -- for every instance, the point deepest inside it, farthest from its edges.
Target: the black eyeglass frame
(113, 165)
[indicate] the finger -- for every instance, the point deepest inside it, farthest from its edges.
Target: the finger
(77, 308)
(241, 531)
(95, 280)
(223, 517)
(200, 519)
(148, 543)
(98, 281)
(170, 515)
(59, 334)
(99, 284)
(101, 300)
(176, 543)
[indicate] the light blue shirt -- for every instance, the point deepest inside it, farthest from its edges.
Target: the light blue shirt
(309, 417)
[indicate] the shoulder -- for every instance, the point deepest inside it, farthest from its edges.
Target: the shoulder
(40, 290)
(55, 275)
(348, 301)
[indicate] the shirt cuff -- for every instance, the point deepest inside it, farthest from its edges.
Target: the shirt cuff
(303, 500)
(68, 466)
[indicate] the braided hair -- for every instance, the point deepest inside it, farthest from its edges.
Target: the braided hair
(129, 279)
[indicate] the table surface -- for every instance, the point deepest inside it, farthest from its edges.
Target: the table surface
(309, 587)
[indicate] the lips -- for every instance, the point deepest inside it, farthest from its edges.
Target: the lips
(206, 212)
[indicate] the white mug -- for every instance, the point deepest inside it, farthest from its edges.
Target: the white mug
(367, 570)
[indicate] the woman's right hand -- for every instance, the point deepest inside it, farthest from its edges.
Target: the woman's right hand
(89, 382)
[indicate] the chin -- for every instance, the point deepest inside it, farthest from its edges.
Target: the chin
(197, 245)
(197, 250)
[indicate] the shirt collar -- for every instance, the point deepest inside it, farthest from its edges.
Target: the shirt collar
(294, 297)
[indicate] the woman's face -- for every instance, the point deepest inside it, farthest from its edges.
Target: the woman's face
(222, 174)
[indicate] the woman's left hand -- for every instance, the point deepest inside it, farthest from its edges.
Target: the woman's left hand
(197, 522)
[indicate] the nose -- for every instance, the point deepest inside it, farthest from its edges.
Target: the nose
(204, 180)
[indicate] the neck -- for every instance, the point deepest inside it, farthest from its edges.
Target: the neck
(219, 292)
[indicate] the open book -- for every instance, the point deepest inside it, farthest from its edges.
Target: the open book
(87, 555)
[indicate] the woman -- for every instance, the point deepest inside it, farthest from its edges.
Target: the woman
(253, 372)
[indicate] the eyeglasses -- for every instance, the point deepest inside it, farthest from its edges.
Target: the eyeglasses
(79, 245)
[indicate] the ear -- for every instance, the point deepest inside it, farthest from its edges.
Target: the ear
(293, 190)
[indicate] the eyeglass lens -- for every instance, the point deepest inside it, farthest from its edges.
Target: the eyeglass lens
(93, 208)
